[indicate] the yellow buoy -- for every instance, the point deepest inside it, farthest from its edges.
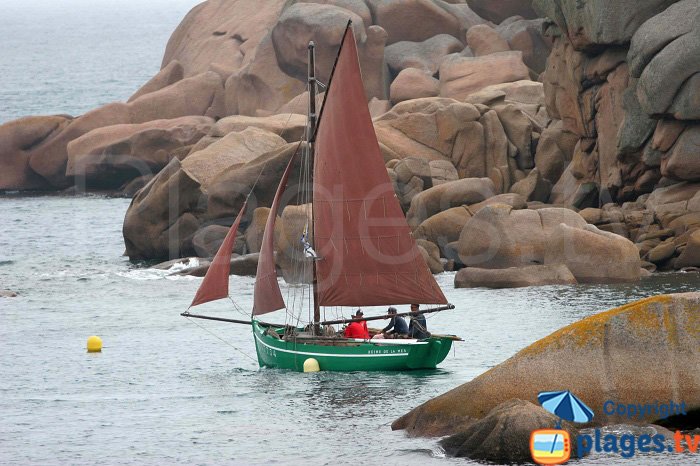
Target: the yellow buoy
(94, 344)
(311, 365)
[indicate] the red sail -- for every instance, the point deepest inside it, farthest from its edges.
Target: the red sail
(215, 283)
(267, 295)
(367, 254)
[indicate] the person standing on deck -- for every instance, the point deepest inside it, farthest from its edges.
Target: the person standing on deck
(418, 328)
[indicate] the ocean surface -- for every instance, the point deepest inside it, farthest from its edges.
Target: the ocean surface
(166, 390)
(70, 56)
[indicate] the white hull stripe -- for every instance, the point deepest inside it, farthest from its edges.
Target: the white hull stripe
(258, 340)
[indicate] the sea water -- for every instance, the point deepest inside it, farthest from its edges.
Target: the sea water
(166, 390)
(70, 56)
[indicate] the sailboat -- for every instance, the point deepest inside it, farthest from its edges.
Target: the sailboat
(359, 248)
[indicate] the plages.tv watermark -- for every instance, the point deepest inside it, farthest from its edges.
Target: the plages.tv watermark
(627, 445)
(640, 411)
(554, 446)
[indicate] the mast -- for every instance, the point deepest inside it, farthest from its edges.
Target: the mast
(310, 134)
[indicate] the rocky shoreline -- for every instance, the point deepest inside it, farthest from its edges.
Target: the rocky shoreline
(530, 139)
(637, 354)
(529, 142)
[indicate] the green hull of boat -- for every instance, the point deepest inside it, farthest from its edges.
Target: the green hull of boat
(359, 356)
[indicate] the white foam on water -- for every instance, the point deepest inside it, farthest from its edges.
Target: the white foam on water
(171, 273)
(185, 264)
(438, 452)
(144, 274)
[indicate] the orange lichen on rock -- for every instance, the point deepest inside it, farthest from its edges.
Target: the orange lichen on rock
(589, 330)
(641, 352)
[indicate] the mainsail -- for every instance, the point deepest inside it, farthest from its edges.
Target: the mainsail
(367, 255)
(267, 295)
(360, 249)
(215, 283)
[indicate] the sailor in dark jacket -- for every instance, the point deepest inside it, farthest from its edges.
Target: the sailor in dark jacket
(418, 328)
(397, 327)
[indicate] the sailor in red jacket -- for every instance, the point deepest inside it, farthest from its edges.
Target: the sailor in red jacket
(357, 329)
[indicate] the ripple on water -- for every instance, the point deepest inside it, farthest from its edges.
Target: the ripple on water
(144, 274)
(160, 378)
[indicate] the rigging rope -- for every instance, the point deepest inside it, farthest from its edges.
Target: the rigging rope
(224, 341)
(236, 307)
(300, 266)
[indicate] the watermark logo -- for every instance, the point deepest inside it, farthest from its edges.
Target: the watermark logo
(550, 446)
(641, 411)
(553, 446)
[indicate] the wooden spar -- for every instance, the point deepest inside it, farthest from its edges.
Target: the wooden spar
(388, 316)
(310, 134)
(325, 322)
(451, 337)
(311, 128)
(233, 321)
(328, 322)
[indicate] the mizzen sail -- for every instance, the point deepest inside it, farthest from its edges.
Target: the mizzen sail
(367, 255)
(215, 283)
(267, 295)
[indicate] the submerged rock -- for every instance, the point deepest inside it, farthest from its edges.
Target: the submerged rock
(246, 265)
(503, 436)
(598, 358)
(181, 262)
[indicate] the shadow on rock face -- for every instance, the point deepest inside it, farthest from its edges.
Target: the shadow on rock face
(503, 436)
(597, 358)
